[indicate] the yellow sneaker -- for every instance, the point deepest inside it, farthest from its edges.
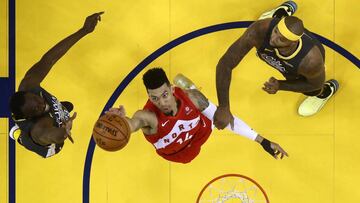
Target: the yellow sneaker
(183, 82)
(313, 104)
(287, 8)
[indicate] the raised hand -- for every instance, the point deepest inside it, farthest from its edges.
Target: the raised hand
(117, 111)
(91, 22)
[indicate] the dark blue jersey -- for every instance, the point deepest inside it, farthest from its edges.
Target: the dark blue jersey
(59, 114)
(288, 65)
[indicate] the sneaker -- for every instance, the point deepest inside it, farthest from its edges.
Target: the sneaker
(313, 104)
(183, 82)
(287, 8)
(15, 132)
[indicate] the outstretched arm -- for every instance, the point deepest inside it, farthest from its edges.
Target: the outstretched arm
(208, 109)
(272, 148)
(141, 119)
(252, 37)
(36, 74)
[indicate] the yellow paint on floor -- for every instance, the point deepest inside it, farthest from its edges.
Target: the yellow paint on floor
(3, 38)
(3, 159)
(323, 149)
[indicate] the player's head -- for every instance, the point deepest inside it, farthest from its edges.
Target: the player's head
(27, 105)
(159, 90)
(287, 31)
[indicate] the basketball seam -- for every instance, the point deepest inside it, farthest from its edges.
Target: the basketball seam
(105, 121)
(107, 137)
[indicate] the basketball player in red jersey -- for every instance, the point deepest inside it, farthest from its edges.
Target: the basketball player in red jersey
(178, 122)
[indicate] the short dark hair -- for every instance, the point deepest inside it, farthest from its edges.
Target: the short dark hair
(294, 24)
(17, 101)
(155, 78)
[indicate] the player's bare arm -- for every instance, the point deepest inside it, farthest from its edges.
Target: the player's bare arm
(36, 74)
(312, 68)
(201, 102)
(142, 119)
(253, 37)
(198, 99)
(45, 133)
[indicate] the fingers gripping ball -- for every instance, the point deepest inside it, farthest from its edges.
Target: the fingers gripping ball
(111, 132)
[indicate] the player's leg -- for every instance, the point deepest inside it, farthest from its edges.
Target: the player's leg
(316, 100)
(287, 8)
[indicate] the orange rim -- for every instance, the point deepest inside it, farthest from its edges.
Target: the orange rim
(233, 175)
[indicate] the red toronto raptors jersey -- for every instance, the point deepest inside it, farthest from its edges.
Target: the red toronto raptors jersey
(179, 138)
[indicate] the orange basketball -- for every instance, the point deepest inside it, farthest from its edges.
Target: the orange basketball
(111, 132)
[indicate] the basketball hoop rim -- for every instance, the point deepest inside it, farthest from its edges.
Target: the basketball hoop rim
(233, 175)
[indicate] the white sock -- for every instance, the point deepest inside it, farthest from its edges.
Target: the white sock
(240, 127)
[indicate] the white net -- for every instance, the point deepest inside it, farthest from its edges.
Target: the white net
(232, 189)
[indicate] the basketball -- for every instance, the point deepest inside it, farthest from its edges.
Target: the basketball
(111, 132)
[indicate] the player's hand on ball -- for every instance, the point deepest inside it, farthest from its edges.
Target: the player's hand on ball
(117, 111)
